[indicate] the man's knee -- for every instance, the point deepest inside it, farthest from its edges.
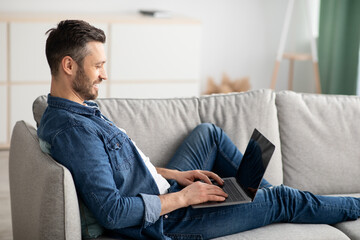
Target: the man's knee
(207, 128)
(282, 190)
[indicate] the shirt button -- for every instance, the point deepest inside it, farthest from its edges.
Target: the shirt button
(166, 216)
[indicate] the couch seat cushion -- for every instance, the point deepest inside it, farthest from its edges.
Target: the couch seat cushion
(290, 231)
(350, 228)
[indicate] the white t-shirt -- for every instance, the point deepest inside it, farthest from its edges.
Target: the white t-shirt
(162, 184)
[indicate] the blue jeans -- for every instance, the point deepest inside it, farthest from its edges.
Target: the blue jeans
(209, 148)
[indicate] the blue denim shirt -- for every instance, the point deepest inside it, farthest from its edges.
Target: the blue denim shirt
(109, 174)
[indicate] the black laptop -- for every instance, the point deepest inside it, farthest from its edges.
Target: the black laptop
(243, 187)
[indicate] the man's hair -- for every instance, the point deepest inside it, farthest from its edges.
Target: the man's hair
(70, 39)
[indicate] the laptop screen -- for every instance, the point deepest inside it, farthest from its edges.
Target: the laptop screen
(254, 163)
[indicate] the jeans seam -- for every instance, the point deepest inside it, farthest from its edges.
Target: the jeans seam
(227, 158)
(185, 236)
(336, 208)
(333, 207)
(224, 211)
(208, 155)
(313, 204)
(220, 150)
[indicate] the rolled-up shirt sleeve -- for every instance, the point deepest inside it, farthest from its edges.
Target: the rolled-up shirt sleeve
(82, 151)
(152, 208)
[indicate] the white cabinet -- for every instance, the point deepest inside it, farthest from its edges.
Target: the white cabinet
(29, 74)
(3, 52)
(155, 52)
(3, 115)
(28, 61)
(3, 85)
(146, 57)
(22, 98)
(155, 60)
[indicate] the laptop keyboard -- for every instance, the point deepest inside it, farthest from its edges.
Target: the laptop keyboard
(234, 194)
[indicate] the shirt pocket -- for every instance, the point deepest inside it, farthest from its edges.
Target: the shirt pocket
(120, 152)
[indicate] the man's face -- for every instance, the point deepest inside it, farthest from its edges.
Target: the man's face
(90, 75)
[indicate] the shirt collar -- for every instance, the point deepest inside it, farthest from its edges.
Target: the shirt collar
(57, 102)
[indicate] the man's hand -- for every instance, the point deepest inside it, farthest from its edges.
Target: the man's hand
(198, 189)
(185, 178)
(188, 177)
(195, 193)
(200, 192)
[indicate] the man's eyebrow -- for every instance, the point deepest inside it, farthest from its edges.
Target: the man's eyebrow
(100, 62)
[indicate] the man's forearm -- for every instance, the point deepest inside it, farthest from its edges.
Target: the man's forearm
(195, 193)
(171, 201)
(167, 173)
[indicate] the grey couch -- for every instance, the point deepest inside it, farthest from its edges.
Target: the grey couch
(317, 139)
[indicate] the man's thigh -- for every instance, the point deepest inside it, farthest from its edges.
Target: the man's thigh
(207, 148)
(219, 221)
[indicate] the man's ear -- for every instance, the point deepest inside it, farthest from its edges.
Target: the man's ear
(68, 65)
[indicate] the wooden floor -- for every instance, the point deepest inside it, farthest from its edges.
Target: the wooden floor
(5, 212)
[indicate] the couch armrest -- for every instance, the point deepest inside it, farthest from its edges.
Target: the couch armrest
(44, 204)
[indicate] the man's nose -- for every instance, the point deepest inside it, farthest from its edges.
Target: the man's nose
(103, 74)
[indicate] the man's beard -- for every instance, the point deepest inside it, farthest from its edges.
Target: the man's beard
(83, 86)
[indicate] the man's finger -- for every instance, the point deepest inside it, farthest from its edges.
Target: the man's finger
(215, 177)
(200, 175)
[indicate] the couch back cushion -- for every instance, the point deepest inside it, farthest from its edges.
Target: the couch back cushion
(158, 126)
(320, 139)
(238, 114)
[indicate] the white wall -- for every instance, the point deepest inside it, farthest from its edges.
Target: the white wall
(240, 37)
